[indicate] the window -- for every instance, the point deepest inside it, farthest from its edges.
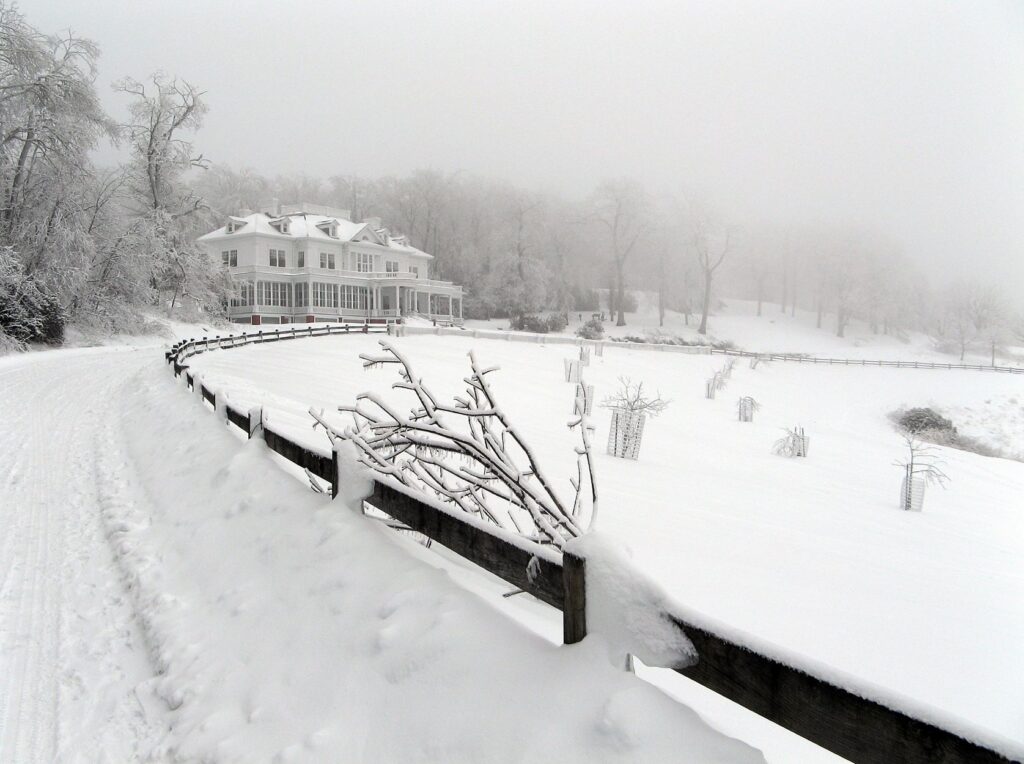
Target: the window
(415, 271)
(301, 295)
(301, 259)
(277, 258)
(364, 262)
(354, 297)
(325, 295)
(391, 266)
(243, 295)
(229, 257)
(273, 293)
(327, 260)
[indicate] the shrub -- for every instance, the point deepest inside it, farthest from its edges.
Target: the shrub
(592, 330)
(535, 324)
(924, 419)
(556, 322)
(29, 312)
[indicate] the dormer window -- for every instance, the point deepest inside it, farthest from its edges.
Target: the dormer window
(281, 225)
(329, 227)
(234, 224)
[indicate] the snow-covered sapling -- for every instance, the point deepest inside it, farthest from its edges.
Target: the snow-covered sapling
(795, 443)
(745, 408)
(710, 386)
(467, 454)
(584, 356)
(630, 408)
(920, 468)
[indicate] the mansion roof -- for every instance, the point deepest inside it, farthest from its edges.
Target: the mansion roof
(319, 227)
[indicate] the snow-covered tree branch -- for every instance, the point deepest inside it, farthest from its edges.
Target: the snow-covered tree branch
(467, 453)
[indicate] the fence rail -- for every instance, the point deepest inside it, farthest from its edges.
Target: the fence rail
(847, 722)
(552, 339)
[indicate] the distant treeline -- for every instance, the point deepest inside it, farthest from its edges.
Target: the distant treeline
(95, 246)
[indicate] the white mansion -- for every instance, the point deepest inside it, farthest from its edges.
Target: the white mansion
(304, 263)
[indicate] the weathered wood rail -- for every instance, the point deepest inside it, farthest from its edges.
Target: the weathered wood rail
(550, 339)
(848, 723)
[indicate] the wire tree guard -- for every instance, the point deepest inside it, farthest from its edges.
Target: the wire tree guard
(630, 408)
(467, 454)
(583, 401)
(572, 370)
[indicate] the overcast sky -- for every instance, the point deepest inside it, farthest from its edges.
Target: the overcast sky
(907, 117)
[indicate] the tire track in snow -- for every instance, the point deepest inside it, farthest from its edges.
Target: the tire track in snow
(70, 656)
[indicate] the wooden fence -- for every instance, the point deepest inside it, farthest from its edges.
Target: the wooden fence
(846, 722)
(553, 339)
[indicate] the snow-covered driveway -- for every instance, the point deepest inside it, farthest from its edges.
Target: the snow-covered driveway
(168, 593)
(70, 650)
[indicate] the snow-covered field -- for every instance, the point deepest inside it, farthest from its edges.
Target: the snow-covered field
(167, 594)
(811, 555)
(167, 591)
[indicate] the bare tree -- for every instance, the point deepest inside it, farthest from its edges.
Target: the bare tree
(161, 112)
(711, 244)
(632, 398)
(622, 208)
(922, 463)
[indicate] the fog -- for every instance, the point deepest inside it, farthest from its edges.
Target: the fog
(905, 118)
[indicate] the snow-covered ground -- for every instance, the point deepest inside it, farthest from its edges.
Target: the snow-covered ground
(167, 593)
(812, 555)
(736, 321)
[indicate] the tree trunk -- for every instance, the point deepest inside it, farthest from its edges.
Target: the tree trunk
(19, 177)
(661, 301)
(760, 296)
(840, 321)
(785, 288)
(611, 293)
(706, 307)
(819, 312)
(993, 352)
(792, 299)
(621, 320)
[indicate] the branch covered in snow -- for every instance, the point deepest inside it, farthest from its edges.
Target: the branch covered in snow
(632, 398)
(922, 461)
(465, 453)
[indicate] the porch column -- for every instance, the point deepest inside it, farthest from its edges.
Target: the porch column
(450, 315)
(398, 301)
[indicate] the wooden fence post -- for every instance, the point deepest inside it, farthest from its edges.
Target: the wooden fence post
(335, 474)
(574, 613)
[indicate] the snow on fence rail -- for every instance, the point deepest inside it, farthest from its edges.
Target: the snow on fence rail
(404, 330)
(856, 721)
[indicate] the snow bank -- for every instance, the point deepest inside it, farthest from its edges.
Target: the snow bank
(627, 608)
(284, 629)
